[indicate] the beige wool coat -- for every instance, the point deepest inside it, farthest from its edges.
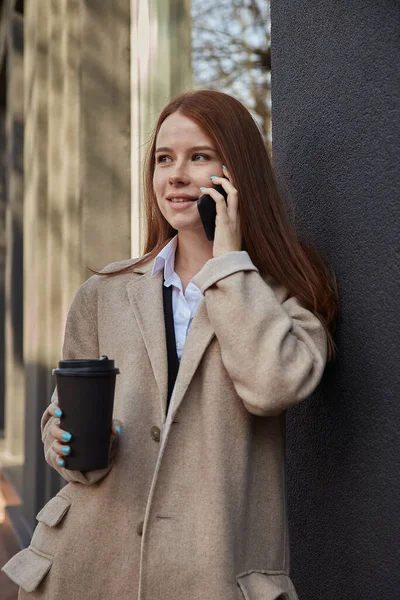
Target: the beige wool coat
(192, 507)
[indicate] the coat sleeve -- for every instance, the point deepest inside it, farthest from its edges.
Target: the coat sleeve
(273, 349)
(80, 341)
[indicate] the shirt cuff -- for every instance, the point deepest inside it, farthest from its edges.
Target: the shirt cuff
(222, 266)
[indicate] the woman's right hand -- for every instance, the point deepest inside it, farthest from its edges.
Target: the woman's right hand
(61, 437)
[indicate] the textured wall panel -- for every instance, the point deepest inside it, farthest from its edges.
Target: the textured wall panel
(336, 131)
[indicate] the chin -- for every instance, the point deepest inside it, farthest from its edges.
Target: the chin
(185, 224)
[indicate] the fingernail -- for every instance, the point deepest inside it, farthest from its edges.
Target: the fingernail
(223, 166)
(202, 188)
(57, 412)
(65, 449)
(67, 437)
(61, 462)
(214, 177)
(118, 428)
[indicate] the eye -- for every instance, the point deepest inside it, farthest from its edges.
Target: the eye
(201, 156)
(162, 158)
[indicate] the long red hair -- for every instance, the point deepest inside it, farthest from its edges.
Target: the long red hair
(268, 235)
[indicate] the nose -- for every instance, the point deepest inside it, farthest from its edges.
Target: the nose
(179, 176)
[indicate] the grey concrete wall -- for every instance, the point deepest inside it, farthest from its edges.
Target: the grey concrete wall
(336, 132)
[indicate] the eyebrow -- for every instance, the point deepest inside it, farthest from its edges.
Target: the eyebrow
(166, 149)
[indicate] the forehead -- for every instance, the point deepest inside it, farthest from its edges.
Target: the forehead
(179, 130)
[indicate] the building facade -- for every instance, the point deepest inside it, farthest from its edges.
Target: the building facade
(82, 84)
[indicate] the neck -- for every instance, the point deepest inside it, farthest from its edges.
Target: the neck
(192, 253)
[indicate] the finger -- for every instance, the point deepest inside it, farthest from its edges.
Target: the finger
(54, 410)
(116, 427)
(61, 450)
(226, 172)
(60, 434)
(60, 461)
(56, 457)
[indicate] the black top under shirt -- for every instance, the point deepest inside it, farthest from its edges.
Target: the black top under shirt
(173, 361)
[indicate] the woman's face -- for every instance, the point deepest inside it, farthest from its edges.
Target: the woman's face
(185, 159)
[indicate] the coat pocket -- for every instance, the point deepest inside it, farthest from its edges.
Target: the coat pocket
(54, 511)
(49, 530)
(28, 568)
(266, 585)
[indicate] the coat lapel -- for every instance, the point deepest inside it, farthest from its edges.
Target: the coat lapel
(146, 300)
(199, 337)
(145, 297)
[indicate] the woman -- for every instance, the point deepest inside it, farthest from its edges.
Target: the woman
(192, 505)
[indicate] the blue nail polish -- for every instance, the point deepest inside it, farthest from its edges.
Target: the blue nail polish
(61, 462)
(118, 428)
(214, 177)
(65, 449)
(57, 412)
(223, 166)
(67, 437)
(202, 188)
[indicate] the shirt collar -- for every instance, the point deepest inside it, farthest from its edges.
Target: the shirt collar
(165, 259)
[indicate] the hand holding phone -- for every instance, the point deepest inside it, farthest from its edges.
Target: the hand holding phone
(208, 212)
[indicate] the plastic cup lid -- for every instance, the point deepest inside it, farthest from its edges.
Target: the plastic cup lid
(92, 364)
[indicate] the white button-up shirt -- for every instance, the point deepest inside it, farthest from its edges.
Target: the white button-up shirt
(184, 305)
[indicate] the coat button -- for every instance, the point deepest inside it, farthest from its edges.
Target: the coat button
(139, 528)
(155, 433)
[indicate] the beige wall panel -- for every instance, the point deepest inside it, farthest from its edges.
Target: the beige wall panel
(36, 279)
(105, 131)
(36, 185)
(71, 272)
(77, 188)
(14, 391)
(64, 261)
(55, 213)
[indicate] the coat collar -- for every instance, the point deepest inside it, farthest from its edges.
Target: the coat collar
(146, 300)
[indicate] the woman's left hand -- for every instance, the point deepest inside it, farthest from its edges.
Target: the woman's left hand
(228, 234)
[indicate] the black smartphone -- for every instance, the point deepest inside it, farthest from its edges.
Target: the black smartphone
(208, 212)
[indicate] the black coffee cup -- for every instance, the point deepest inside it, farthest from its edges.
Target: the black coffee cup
(86, 397)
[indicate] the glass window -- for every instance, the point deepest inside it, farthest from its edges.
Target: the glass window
(231, 52)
